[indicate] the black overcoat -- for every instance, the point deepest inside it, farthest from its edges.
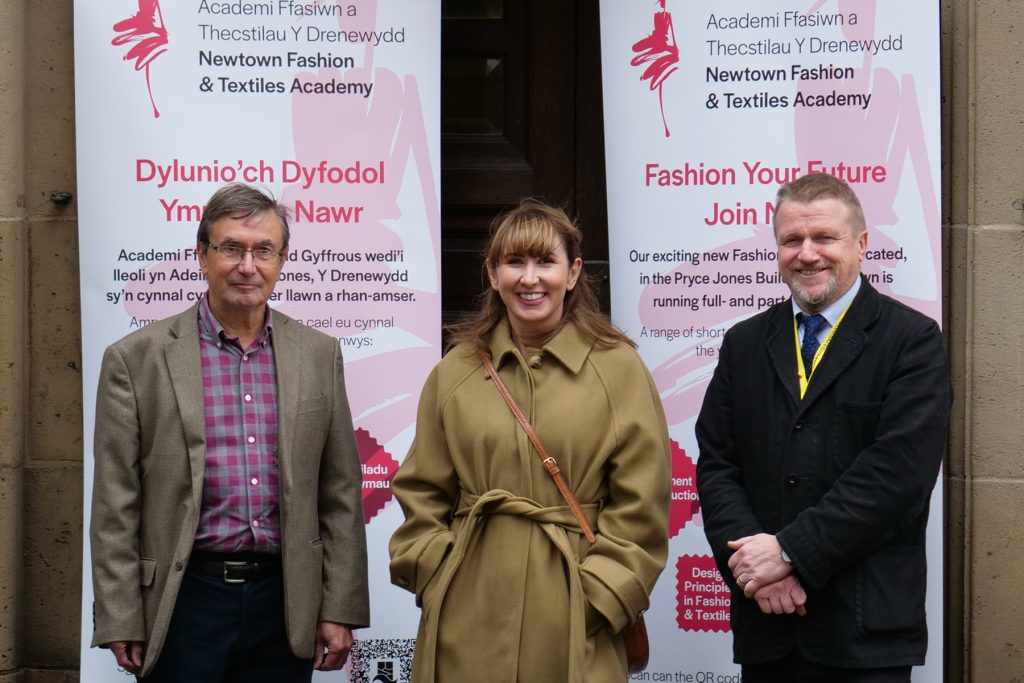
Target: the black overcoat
(842, 477)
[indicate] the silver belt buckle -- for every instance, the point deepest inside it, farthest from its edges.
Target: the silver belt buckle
(228, 565)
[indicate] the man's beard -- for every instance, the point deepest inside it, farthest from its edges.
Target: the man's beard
(816, 303)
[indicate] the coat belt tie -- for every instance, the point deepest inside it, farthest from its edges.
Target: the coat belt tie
(556, 522)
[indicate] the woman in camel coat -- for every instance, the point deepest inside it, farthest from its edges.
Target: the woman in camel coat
(510, 589)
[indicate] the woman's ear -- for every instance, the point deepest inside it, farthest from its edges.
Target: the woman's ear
(492, 276)
(574, 274)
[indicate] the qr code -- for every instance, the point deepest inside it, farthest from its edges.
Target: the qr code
(382, 660)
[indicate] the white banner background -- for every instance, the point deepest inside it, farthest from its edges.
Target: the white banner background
(174, 99)
(706, 114)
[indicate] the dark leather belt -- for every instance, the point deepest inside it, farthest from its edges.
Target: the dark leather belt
(235, 568)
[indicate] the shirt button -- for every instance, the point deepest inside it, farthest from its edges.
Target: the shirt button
(220, 345)
(798, 426)
(251, 439)
(254, 481)
(248, 397)
(792, 480)
(255, 522)
(245, 357)
(536, 361)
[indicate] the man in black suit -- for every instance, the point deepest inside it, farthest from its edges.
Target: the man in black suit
(821, 435)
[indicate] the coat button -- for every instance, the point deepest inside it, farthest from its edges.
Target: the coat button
(177, 565)
(792, 480)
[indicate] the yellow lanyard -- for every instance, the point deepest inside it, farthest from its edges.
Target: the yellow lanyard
(805, 377)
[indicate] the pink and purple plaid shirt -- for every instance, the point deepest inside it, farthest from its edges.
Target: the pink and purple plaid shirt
(240, 492)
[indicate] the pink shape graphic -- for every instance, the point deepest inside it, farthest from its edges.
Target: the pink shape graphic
(378, 470)
(889, 132)
(684, 491)
(146, 29)
(702, 596)
(660, 50)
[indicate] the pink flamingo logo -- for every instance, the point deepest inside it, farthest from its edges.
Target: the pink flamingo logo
(661, 51)
(146, 30)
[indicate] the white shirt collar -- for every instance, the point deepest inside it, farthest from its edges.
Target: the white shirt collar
(836, 308)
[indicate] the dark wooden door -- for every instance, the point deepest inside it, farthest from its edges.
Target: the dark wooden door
(521, 115)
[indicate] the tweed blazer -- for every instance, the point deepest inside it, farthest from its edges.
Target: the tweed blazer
(150, 458)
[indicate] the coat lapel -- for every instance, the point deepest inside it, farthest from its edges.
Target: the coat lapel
(185, 368)
(782, 349)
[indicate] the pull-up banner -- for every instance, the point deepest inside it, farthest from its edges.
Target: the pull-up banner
(709, 107)
(334, 108)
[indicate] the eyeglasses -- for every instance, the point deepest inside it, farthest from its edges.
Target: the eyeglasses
(234, 253)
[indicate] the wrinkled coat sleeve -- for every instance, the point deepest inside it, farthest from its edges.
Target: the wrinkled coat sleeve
(116, 506)
(342, 530)
(620, 570)
(426, 487)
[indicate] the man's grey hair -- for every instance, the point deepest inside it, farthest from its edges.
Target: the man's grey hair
(243, 199)
(814, 186)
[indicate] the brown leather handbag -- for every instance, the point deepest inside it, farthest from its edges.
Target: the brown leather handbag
(635, 635)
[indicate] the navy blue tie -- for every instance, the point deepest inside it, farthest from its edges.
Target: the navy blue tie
(809, 346)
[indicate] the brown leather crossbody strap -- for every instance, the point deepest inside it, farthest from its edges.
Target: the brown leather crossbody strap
(549, 463)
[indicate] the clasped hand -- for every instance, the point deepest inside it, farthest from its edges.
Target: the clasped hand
(762, 574)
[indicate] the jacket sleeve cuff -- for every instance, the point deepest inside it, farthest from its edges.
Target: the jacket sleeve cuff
(812, 568)
(414, 569)
(613, 590)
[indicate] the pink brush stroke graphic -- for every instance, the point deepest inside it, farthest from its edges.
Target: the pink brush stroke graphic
(889, 132)
(660, 50)
(682, 378)
(390, 128)
(146, 30)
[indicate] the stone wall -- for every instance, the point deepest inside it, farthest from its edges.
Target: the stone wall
(40, 346)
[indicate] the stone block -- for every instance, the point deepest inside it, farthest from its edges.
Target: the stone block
(13, 677)
(997, 114)
(52, 676)
(956, 110)
(997, 608)
(52, 592)
(12, 108)
(997, 365)
(955, 332)
(13, 358)
(11, 505)
(49, 138)
(956, 569)
(55, 428)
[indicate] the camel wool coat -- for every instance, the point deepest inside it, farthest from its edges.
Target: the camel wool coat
(509, 587)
